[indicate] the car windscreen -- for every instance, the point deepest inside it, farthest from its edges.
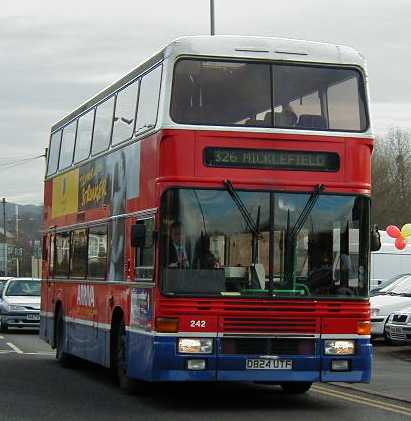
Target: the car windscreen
(28, 288)
(389, 283)
(401, 287)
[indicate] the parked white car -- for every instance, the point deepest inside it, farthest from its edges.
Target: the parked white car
(390, 299)
(20, 304)
(3, 280)
(398, 327)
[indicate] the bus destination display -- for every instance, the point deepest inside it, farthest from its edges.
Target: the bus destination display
(271, 159)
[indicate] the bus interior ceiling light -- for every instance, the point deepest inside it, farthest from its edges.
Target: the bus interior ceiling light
(195, 345)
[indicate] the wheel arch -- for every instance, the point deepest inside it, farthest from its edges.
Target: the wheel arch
(116, 318)
(57, 309)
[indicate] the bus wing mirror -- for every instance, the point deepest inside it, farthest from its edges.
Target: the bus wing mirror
(138, 235)
(375, 242)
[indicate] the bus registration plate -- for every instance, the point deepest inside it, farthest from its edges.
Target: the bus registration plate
(269, 364)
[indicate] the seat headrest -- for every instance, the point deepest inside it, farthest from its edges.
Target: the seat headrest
(311, 121)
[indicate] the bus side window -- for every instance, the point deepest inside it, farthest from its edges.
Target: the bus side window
(97, 252)
(54, 152)
(148, 100)
(51, 256)
(78, 254)
(62, 254)
(144, 255)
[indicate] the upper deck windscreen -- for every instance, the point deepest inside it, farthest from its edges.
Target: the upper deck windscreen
(294, 96)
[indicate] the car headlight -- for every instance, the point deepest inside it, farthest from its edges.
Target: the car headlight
(195, 345)
(339, 347)
(16, 308)
(375, 311)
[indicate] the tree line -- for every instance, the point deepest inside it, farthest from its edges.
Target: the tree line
(391, 179)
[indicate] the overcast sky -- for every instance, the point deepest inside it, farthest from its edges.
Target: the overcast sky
(54, 55)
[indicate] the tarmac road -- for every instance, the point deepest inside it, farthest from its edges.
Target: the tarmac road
(34, 387)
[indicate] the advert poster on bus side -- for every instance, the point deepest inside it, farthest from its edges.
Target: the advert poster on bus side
(142, 308)
(108, 180)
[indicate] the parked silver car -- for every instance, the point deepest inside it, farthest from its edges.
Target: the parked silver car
(3, 281)
(20, 304)
(398, 327)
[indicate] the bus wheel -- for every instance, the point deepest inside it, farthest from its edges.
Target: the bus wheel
(120, 359)
(296, 387)
(62, 357)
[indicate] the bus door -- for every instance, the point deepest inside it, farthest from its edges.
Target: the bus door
(47, 290)
(142, 251)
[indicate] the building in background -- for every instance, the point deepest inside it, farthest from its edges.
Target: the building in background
(6, 240)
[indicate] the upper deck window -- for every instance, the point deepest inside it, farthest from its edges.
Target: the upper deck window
(148, 100)
(103, 126)
(54, 152)
(84, 134)
(67, 145)
(303, 97)
(125, 114)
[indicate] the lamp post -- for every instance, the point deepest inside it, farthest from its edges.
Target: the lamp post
(5, 236)
(17, 241)
(212, 18)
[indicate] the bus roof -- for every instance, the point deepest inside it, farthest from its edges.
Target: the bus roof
(237, 47)
(264, 48)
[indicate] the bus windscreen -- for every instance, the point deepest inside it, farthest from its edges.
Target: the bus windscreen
(208, 249)
(292, 96)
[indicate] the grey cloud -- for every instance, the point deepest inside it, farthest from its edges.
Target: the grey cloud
(52, 61)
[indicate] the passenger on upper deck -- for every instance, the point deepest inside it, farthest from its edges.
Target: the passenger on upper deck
(286, 118)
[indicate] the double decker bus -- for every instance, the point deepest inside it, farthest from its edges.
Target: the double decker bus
(208, 217)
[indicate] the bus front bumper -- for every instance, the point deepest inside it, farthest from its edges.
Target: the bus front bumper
(155, 358)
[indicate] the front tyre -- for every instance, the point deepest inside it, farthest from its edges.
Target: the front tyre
(62, 357)
(296, 387)
(120, 360)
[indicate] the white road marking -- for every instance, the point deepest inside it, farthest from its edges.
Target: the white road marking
(15, 348)
(39, 353)
(1, 337)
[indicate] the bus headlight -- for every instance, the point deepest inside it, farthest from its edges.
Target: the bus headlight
(195, 345)
(339, 347)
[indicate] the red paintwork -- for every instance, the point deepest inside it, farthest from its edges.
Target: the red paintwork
(174, 157)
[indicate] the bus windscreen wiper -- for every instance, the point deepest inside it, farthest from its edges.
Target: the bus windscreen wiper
(291, 233)
(254, 227)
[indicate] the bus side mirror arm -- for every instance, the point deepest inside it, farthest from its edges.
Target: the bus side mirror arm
(375, 239)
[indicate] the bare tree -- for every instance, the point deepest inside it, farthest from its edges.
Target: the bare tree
(391, 175)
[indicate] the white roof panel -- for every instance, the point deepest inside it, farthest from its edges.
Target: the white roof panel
(264, 48)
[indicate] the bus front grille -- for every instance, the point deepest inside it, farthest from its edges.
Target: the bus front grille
(268, 346)
(270, 325)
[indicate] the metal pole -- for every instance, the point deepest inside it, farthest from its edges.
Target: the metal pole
(17, 241)
(5, 236)
(212, 18)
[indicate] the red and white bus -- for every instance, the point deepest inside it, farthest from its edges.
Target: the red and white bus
(208, 217)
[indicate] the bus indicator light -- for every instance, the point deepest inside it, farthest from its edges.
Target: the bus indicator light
(364, 328)
(166, 325)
